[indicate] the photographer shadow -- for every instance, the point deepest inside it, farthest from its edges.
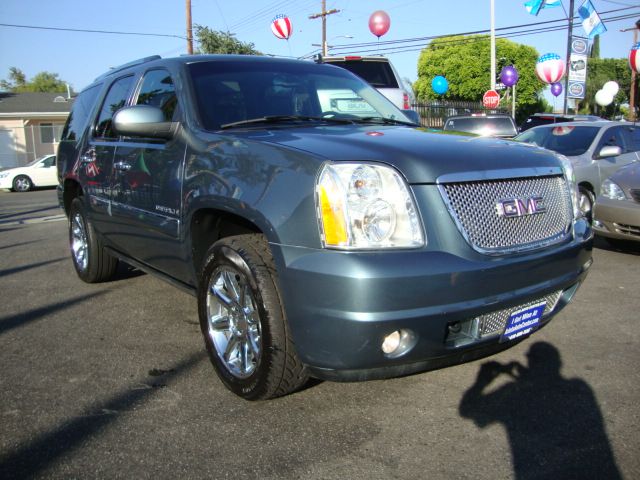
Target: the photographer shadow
(554, 424)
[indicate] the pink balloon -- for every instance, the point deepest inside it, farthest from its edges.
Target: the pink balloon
(379, 23)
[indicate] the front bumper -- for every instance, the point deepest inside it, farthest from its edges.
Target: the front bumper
(619, 219)
(341, 305)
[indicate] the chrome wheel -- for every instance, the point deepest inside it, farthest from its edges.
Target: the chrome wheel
(585, 202)
(233, 322)
(79, 246)
(22, 184)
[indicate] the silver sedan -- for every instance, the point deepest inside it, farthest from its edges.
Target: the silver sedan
(596, 150)
(616, 214)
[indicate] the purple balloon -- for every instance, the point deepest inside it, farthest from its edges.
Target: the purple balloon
(509, 75)
(556, 89)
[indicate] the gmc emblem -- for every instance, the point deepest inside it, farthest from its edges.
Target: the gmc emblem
(519, 207)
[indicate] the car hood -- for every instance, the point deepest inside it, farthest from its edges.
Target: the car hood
(423, 156)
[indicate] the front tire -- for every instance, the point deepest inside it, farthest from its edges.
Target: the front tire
(92, 263)
(243, 320)
(22, 183)
(586, 199)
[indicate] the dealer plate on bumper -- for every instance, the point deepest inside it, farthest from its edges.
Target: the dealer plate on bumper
(523, 321)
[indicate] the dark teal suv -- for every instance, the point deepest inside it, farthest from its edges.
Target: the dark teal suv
(323, 233)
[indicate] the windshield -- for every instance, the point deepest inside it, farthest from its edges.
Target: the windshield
(493, 126)
(232, 92)
(567, 140)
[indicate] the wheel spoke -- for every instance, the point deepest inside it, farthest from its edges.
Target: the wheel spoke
(221, 323)
(231, 348)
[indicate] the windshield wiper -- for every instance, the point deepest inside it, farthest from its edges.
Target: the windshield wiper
(384, 121)
(284, 119)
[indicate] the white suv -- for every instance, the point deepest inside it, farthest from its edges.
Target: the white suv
(379, 73)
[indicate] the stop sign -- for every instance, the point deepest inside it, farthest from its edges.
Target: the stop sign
(491, 99)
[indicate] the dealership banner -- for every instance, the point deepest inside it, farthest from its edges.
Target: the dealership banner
(578, 67)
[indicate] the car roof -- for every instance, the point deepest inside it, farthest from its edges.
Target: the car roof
(587, 123)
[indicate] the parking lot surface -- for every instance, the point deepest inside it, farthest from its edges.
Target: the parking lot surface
(112, 381)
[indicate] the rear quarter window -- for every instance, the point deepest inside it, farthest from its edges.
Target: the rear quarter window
(376, 74)
(80, 112)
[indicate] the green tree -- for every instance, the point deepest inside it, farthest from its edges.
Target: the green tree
(41, 82)
(212, 41)
(465, 62)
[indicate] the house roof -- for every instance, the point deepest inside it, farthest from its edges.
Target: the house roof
(21, 104)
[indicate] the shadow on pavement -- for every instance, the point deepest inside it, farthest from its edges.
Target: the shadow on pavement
(32, 459)
(554, 425)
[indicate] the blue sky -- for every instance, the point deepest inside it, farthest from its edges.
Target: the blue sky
(80, 57)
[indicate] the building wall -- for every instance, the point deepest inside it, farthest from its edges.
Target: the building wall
(22, 141)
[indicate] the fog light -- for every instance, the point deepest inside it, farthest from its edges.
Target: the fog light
(391, 342)
(399, 343)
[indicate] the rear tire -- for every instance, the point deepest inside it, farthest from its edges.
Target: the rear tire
(92, 263)
(243, 320)
(22, 183)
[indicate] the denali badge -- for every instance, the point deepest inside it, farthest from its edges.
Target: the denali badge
(518, 207)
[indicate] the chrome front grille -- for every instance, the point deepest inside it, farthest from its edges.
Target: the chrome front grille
(493, 323)
(476, 208)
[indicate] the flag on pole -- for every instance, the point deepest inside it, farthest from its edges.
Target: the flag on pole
(534, 6)
(591, 21)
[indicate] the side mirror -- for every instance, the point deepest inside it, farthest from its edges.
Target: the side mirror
(412, 115)
(609, 151)
(143, 121)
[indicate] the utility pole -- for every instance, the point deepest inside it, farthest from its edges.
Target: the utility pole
(189, 30)
(493, 45)
(323, 15)
(632, 93)
(568, 59)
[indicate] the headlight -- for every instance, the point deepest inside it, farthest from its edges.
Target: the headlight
(366, 206)
(570, 175)
(612, 190)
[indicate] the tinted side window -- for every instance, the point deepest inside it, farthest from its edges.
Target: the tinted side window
(632, 139)
(615, 137)
(80, 112)
(115, 99)
(158, 90)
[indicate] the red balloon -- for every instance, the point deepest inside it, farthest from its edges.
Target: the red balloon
(379, 23)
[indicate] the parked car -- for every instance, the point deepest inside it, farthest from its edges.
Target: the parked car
(596, 150)
(343, 246)
(616, 214)
(379, 73)
(538, 119)
(41, 172)
(483, 124)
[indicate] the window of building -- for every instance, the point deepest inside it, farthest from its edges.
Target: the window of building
(50, 132)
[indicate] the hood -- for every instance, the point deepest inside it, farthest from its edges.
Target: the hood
(422, 156)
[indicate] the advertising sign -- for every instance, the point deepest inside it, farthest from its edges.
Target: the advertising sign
(578, 67)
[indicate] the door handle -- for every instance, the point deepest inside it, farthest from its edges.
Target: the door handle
(122, 166)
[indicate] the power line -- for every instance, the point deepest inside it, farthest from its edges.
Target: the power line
(92, 31)
(393, 46)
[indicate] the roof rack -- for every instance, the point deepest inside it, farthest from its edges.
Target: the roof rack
(133, 63)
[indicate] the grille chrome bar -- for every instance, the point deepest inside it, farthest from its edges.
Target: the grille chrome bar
(475, 207)
(493, 323)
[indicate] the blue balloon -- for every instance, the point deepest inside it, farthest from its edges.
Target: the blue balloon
(439, 85)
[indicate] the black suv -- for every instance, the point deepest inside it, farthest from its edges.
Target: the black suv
(322, 233)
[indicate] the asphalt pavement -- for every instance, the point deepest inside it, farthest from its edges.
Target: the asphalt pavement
(112, 381)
